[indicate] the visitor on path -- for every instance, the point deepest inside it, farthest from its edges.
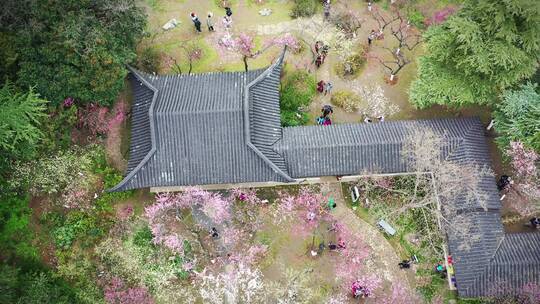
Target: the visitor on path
(405, 264)
(319, 60)
(331, 204)
(327, 110)
(324, 51)
(320, 120)
(327, 121)
(327, 88)
(196, 22)
(227, 22)
(326, 9)
(318, 46)
(332, 246)
(367, 120)
(210, 22)
(228, 12)
(214, 233)
(320, 86)
(535, 222)
(381, 118)
(371, 36)
(440, 269)
(369, 6)
(504, 182)
(341, 243)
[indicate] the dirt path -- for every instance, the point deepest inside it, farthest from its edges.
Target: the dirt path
(383, 260)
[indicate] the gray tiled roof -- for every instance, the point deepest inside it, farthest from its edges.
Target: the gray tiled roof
(515, 264)
(223, 128)
(345, 149)
(199, 130)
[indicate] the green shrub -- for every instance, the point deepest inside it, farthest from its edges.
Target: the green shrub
(57, 130)
(143, 237)
(353, 64)
(15, 234)
(304, 8)
(417, 19)
(297, 92)
(33, 287)
(149, 60)
(346, 100)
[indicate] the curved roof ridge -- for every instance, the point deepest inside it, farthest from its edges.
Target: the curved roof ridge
(135, 170)
(279, 169)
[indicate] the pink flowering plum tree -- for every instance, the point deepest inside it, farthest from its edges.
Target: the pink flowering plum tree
(117, 292)
(245, 46)
(525, 164)
(168, 208)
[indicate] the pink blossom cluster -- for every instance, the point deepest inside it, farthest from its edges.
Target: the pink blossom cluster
(352, 257)
(523, 159)
(116, 292)
(125, 212)
(99, 120)
(232, 236)
(246, 195)
(94, 118)
(255, 253)
(440, 16)
(244, 44)
(167, 204)
(68, 102)
(285, 40)
(369, 283)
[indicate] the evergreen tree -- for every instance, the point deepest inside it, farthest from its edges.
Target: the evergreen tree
(517, 118)
(77, 48)
(20, 115)
(488, 46)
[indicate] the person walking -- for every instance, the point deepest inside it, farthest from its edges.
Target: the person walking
(327, 110)
(319, 61)
(327, 88)
(371, 37)
(326, 9)
(320, 86)
(210, 22)
(228, 12)
(196, 22)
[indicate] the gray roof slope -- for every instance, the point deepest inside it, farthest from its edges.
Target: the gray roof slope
(473, 251)
(199, 130)
(515, 264)
(346, 149)
(141, 141)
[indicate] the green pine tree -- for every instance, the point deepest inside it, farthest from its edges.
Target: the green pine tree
(489, 45)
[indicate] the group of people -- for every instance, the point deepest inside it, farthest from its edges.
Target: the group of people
(324, 87)
(227, 20)
(321, 51)
(324, 119)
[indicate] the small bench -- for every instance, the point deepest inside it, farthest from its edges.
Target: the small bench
(386, 227)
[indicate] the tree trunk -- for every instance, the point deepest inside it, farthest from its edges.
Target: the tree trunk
(245, 63)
